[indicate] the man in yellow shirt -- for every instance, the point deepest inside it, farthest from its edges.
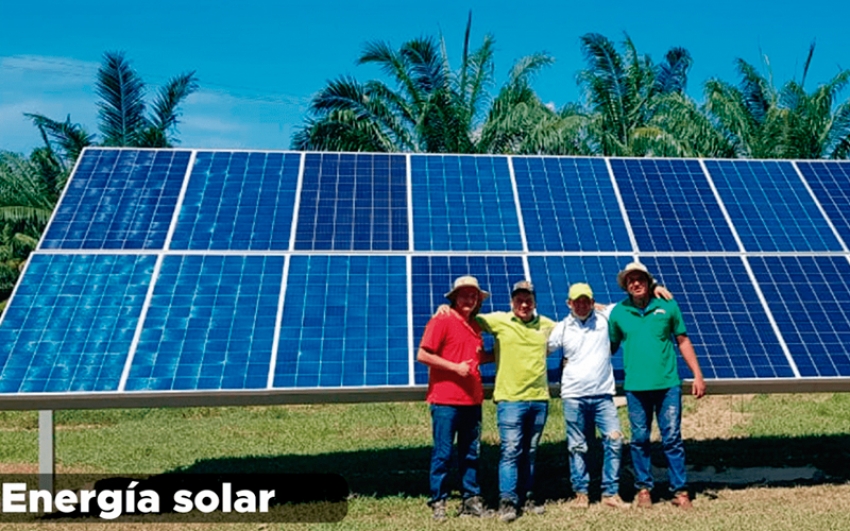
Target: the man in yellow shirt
(521, 395)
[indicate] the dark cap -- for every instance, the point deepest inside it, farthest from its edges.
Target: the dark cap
(523, 285)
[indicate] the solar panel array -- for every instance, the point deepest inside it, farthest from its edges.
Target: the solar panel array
(181, 276)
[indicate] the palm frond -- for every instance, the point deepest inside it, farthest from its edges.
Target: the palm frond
(122, 106)
(70, 138)
(756, 91)
(165, 107)
(837, 142)
(341, 131)
(672, 74)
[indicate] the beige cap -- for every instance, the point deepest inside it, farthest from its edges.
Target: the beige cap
(634, 266)
(580, 289)
(523, 285)
(466, 282)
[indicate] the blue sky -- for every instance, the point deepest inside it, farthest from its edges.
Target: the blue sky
(260, 61)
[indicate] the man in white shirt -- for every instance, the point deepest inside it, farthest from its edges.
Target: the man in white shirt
(587, 391)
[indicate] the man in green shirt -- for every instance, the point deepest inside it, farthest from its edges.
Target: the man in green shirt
(646, 324)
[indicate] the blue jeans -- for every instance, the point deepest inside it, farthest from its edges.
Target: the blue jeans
(667, 406)
(446, 422)
(581, 414)
(520, 427)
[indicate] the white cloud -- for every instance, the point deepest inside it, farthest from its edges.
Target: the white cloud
(54, 71)
(219, 116)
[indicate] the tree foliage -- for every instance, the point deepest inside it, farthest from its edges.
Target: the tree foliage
(124, 118)
(29, 189)
(427, 107)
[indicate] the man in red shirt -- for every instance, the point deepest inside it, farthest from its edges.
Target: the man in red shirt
(452, 348)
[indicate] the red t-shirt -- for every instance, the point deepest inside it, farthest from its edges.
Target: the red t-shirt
(451, 337)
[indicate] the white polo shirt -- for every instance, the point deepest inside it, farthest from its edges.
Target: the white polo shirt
(586, 351)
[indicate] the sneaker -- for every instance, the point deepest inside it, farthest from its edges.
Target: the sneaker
(474, 506)
(532, 507)
(682, 500)
(507, 511)
(439, 510)
(644, 499)
(614, 501)
(581, 501)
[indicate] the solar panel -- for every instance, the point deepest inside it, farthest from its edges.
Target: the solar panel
(808, 296)
(671, 206)
(118, 200)
(770, 206)
(345, 323)
(210, 324)
(353, 203)
(569, 204)
(73, 322)
(830, 182)
(182, 277)
(463, 203)
(238, 201)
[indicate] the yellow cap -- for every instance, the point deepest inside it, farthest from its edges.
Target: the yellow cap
(580, 289)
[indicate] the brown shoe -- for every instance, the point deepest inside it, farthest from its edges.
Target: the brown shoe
(644, 499)
(682, 500)
(581, 501)
(614, 501)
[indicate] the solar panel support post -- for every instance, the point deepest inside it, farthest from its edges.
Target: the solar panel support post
(46, 450)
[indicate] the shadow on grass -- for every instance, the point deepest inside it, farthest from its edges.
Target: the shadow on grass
(404, 471)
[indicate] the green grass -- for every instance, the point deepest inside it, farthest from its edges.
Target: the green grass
(382, 450)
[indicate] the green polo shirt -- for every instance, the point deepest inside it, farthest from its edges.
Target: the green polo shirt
(520, 355)
(649, 356)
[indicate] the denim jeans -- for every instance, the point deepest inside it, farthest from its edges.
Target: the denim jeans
(581, 414)
(667, 406)
(520, 427)
(446, 422)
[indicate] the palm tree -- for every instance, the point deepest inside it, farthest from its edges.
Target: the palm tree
(518, 122)
(625, 93)
(763, 122)
(124, 119)
(748, 114)
(431, 108)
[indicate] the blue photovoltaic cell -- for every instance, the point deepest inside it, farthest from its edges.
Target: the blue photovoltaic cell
(432, 278)
(238, 201)
(830, 181)
(807, 296)
(770, 207)
(463, 203)
(119, 199)
(344, 322)
(553, 276)
(72, 321)
(671, 206)
(210, 324)
(725, 319)
(569, 204)
(353, 203)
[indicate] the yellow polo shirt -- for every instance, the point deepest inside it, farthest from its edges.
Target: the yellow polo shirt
(520, 355)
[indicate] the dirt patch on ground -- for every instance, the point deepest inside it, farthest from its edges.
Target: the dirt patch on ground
(32, 468)
(714, 417)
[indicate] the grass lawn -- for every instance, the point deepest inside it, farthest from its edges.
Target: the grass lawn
(382, 450)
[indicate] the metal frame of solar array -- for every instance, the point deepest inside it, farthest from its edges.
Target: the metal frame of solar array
(184, 277)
